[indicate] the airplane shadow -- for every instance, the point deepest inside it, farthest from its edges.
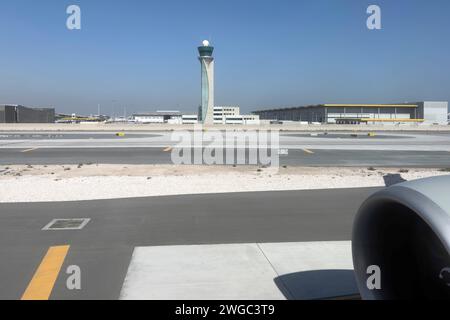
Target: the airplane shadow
(318, 284)
(391, 179)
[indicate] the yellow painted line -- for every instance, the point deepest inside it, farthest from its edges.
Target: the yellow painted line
(168, 149)
(308, 151)
(393, 120)
(44, 279)
(339, 105)
(29, 150)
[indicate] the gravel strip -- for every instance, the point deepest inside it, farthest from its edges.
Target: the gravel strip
(76, 183)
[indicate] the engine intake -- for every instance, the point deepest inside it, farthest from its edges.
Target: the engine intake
(405, 231)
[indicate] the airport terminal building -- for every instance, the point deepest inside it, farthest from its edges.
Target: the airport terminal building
(232, 115)
(427, 112)
(20, 114)
(222, 115)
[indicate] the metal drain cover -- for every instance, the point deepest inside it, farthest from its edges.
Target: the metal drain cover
(67, 224)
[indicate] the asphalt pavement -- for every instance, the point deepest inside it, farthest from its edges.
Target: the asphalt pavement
(103, 249)
(295, 157)
(333, 149)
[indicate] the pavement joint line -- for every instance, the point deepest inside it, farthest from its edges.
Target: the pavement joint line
(291, 296)
(29, 150)
(43, 281)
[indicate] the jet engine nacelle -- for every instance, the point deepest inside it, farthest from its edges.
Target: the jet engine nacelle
(401, 239)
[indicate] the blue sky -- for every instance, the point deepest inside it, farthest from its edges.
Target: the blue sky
(142, 55)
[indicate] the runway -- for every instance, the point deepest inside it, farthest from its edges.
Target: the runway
(333, 149)
(103, 249)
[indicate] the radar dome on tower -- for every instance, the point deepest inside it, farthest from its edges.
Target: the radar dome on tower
(205, 43)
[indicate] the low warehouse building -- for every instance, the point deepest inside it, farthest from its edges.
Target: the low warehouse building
(420, 112)
(7, 114)
(158, 117)
(21, 114)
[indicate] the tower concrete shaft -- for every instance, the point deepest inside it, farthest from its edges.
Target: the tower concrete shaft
(207, 69)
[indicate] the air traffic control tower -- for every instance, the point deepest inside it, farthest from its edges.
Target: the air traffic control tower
(207, 61)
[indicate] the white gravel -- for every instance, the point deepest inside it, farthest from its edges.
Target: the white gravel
(70, 185)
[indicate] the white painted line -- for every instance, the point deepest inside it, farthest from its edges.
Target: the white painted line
(241, 272)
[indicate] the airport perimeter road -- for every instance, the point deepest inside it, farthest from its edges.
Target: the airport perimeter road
(104, 247)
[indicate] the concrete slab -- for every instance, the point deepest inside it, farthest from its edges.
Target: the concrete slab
(313, 270)
(200, 273)
(241, 271)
